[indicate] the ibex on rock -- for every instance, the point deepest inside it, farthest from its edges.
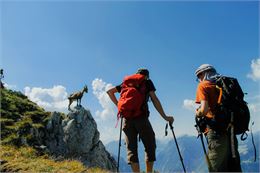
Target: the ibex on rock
(77, 96)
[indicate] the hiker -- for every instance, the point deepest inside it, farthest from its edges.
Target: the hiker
(218, 134)
(1, 77)
(140, 124)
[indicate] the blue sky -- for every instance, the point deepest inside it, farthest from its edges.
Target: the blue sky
(50, 49)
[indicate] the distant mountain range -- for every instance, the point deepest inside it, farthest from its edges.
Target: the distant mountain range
(191, 150)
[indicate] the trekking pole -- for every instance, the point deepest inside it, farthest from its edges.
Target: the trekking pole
(204, 149)
(119, 145)
(177, 147)
(253, 140)
(200, 134)
(232, 136)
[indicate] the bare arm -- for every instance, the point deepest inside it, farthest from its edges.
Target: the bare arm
(158, 106)
(203, 110)
(111, 93)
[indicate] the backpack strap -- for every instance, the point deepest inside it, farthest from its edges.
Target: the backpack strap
(253, 142)
(220, 94)
(118, 117)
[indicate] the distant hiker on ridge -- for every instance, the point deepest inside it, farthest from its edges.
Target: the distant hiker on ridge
(133, 107)
(1, 77)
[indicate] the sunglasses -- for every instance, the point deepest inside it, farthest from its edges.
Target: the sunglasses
(198, 77)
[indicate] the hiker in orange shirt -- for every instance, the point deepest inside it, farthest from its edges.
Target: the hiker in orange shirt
(139, 124)
(219, 144)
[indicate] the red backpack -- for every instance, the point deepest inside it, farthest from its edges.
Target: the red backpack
(132, 96)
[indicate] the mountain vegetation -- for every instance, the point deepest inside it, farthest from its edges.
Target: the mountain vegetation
(27, 159)
(20, 117)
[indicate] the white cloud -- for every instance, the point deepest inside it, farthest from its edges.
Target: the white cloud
(99, 90)
(105, 117)
(243, 150)
(254, 107)
(255, 67)
(11, 87)
(190, 104)
(51, 99)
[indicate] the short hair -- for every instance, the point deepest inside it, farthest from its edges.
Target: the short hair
(143, 71)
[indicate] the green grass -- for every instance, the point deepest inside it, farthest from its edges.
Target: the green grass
(26, 159)
(19, 117)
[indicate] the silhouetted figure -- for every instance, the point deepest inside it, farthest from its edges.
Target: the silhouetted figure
(77, 96)
(1, 77)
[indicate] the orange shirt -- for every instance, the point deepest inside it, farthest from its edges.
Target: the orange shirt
(207, 91)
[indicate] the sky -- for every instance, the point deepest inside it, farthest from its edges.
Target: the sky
(50, 49)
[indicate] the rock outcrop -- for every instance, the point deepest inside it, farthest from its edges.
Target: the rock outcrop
(76, 136)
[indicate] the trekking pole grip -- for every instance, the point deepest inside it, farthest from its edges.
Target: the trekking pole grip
(171, 126)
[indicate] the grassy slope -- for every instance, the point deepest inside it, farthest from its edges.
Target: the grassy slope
(27, 159)
(18, 117)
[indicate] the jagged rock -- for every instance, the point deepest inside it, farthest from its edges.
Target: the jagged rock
(76, 136)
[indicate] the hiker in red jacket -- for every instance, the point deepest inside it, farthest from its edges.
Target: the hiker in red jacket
(138, 123)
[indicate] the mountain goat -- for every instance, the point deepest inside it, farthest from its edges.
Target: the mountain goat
(77, 96)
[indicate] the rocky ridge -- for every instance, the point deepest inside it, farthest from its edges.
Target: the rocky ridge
(76, 136)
